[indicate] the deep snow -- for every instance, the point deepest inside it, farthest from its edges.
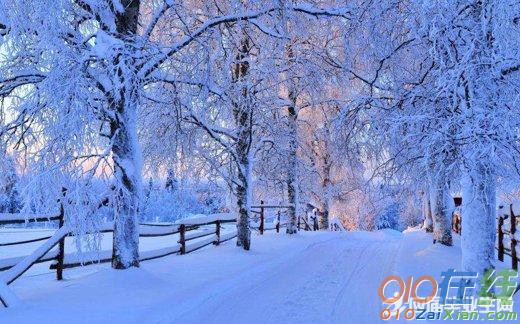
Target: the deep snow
(311, 277)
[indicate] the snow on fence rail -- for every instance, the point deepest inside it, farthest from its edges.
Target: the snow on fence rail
(191, 238)
(13, 268)
(8, 218)
(507, 234)
(193, 234)
(62, 260)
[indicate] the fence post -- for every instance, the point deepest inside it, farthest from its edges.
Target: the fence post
(315, 224)
(61, 245)
(278, 222)
(217, 232)
(182, 239)
(500, 239)
(298, 223)
(261, 227)
(514, 256)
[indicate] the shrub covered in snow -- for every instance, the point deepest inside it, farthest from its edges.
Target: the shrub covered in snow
(168, 203)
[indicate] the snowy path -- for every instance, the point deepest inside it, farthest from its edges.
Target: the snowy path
(310, 278)
(333, 281)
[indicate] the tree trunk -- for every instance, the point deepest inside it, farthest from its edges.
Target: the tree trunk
(478, 219)
(292, 181)
(126, 153)
(243, 228)
(292, 194)
(243, 114)
(427, 211)
(479, 198)
(126, 156)
(441, 216)
(323, 220)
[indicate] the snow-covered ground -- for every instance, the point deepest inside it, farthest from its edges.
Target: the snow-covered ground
(312, 277)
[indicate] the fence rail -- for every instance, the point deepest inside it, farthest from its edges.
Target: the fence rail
(193, 234)
(62, 260)
(507, 234)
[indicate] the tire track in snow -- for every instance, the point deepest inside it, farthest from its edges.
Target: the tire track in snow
(167, 314)
(333, 281)
(365, 280)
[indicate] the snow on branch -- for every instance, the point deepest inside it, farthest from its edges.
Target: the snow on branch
(153, 64)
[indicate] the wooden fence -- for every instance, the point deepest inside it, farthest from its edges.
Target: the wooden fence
(193, 234)
(188, 230)
(507, 234)
(303, 223)
(259, 217)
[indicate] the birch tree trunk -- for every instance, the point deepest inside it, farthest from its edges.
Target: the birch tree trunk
(427, 211)
(292, 181)
(126, 153)
(242, 112)
(323, 220)
(441, 217)
(244, 194)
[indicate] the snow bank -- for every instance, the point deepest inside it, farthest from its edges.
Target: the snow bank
(74, 259)
(336, 224)
(190, 247)
(7, 298)
(195, 234)
(153, 254)
(22, 266)
(228, 236)
(390, 233)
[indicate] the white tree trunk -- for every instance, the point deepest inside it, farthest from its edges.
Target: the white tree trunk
(126, 155)
(441, 215)
(292, 181)
(126, 152)
(323, 220)
(479, 199)
(242, 113)
(478, 219)
(244, 195)
(427, 212)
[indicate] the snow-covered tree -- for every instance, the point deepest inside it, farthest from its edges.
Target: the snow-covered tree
(9, 195)
(76, 71)
(452, 109)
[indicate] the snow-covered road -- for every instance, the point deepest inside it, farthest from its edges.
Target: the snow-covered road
(311, 277)
(318, 277)
(330, 281)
